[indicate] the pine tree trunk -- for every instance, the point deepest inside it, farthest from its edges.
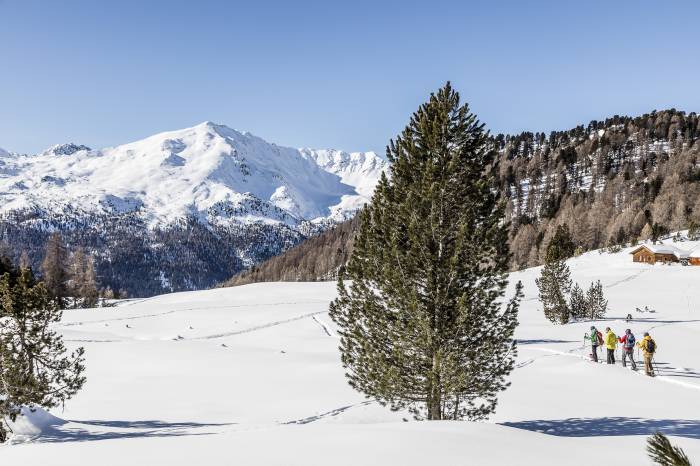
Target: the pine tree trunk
(434, 397)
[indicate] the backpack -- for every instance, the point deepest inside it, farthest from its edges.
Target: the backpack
(630, 341)
(599, 337)
(651, 346)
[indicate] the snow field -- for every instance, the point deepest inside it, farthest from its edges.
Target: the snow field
(251, 375)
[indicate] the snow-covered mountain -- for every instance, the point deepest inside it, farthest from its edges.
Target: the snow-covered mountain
(208, 171)
(179, 210)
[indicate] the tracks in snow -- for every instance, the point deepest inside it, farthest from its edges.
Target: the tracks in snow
(627, 279)
(257, 327)
(331, 413)
(570, 353)
(173, 311)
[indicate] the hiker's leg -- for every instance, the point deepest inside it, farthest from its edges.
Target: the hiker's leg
(594, 353)
(634, 363)
(624, 358)
(647, 364)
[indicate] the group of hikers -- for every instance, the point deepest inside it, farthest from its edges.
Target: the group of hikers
(629, 342)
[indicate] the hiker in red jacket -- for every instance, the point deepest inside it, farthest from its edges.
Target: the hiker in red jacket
(628, 341)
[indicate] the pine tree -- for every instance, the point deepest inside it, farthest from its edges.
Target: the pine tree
(54, 270)
(663, 453)
(658, 231)
(561, 246)
(578, 304)
(554, 284)
(597, 304)
(422, 324)
(35, 368)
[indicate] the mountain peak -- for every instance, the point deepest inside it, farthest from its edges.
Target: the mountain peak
(65, 149)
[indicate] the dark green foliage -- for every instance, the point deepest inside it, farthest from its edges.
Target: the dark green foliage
(554, 284)
(561, 246)
(663, 453)
(578, 304)
(596, 303)
(658, 231)
(423, 325)
(35, 367)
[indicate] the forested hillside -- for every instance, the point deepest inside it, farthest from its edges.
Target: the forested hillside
(317, 258)
(614, 181)
(611, 182)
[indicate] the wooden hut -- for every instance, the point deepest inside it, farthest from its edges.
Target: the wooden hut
(663, 253)
(694, 258)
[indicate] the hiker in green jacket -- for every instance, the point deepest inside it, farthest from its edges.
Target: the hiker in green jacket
(595, 338)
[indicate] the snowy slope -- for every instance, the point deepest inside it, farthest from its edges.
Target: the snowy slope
(251, 375)
(208, 171)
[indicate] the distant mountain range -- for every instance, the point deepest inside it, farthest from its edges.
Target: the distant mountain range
(179, 210)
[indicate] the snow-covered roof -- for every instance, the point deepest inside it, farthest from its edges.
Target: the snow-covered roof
(695, 253)
(664, 249)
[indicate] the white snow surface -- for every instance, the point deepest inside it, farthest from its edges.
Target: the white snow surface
(207, 171)
(252, 376)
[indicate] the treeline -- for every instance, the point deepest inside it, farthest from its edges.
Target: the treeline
(318, 258)
(68, 277)
(130, 258)
(611, 182)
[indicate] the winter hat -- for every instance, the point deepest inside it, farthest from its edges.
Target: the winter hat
(646, 334)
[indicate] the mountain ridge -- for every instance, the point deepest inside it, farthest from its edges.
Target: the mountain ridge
(178, 210)
(202, 169)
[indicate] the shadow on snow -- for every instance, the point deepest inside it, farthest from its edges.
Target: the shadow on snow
(610, 427)
(542, 341)
(80, 431)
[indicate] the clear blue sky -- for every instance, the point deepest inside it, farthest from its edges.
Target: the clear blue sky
(329, 73)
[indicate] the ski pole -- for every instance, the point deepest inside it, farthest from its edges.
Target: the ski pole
(654, 365)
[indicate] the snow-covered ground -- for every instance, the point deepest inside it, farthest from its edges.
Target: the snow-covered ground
(251, 375)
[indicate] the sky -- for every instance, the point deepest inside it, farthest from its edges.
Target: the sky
(331, 74)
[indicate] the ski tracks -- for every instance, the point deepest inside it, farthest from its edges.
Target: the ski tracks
(627, 279)
(257, 327)
(173, 311)
(328, 331)
(663, 378)
(331, 413)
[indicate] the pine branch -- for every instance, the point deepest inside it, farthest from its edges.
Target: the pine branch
(663, 453)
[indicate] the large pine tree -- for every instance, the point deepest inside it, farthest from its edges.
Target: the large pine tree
(423, 324)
